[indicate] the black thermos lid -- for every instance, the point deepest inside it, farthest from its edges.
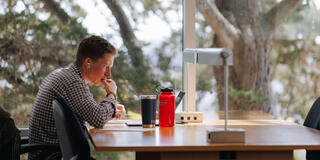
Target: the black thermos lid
(166, 90)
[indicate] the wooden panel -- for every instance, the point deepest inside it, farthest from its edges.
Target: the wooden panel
(148, 155)
(243, 155)
(177, 155)
(262, 155)
(266, 135)
(190, 155)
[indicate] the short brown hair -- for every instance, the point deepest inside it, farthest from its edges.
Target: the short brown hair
(93, 47)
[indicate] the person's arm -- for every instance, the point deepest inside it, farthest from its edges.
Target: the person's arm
(83, 104)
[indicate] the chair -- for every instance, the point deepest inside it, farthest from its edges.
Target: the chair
(14, 142)
(73, 142)
(312, 120)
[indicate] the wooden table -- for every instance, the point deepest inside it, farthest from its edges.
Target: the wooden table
(265, 140)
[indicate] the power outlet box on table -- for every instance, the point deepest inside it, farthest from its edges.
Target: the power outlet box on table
(189, 117)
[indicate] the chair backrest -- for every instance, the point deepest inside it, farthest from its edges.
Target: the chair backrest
(9, 137)
(312, 120)
(71, 135)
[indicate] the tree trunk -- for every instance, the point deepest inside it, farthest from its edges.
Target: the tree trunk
(144, 78)
(250, 71)
(128, 36)
(250, 45)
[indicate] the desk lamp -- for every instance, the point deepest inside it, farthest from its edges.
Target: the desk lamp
(217, 57)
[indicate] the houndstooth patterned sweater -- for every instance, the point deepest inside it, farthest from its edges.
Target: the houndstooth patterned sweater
(68, 84)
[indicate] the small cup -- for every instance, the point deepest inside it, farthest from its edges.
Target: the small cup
(148, 105)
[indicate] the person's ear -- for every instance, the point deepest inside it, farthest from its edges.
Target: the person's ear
(87, 63)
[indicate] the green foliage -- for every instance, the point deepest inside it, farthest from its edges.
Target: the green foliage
(203, 84)
(130, 82)
(294, 62)
(30, 48)
(111, 155)
(150, 4)
(246, 98)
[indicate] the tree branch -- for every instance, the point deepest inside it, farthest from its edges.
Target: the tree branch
(55, 9)
(279, 14)
(126, 30)
(10, 76)
(127, 34)
(13, 48)
(226, 32)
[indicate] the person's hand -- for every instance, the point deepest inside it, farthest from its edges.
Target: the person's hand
(109, 85)
(120, 111)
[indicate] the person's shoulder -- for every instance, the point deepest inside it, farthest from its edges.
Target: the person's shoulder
(64, 74)
(58, 72)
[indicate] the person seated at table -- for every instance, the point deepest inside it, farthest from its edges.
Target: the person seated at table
(93, 64)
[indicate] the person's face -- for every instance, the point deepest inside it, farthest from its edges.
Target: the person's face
(99, 69)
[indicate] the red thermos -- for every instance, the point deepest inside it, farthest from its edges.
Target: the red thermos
(166, 108)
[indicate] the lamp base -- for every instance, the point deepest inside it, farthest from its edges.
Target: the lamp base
(231, 135)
